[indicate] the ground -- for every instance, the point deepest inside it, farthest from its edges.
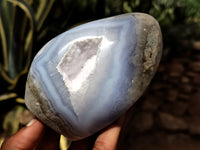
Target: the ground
(167, 117)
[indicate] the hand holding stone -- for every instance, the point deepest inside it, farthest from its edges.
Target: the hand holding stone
(84, 79)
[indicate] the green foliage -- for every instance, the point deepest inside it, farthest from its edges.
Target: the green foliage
(19, 22)
(179, 20)
(191, 8)
(16, 34)
(167, 12)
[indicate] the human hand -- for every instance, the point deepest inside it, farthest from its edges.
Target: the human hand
(37, 136)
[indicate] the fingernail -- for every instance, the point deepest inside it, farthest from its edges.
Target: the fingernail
(31, 122)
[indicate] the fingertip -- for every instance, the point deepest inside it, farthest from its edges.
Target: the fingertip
(108, 139)
(26, 138)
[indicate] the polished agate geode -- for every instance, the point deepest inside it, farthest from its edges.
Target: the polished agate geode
(84, 79)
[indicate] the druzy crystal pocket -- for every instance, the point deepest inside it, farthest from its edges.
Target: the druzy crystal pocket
(85, 78)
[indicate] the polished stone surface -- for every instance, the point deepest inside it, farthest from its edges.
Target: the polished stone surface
(85, 78)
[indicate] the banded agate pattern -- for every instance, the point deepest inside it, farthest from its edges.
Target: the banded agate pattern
(85, 78)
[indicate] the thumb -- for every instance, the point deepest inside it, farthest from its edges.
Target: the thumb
(27, 138)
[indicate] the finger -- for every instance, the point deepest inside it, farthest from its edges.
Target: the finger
(27, 138)
(50, 140)
(108, 139)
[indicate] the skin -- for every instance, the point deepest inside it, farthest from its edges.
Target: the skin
(38, 136)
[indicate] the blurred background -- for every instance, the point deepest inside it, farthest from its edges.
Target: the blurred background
(166, 117)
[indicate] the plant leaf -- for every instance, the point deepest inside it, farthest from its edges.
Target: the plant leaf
(16, 34)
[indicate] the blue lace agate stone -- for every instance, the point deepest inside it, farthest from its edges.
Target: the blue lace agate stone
(84, 79)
